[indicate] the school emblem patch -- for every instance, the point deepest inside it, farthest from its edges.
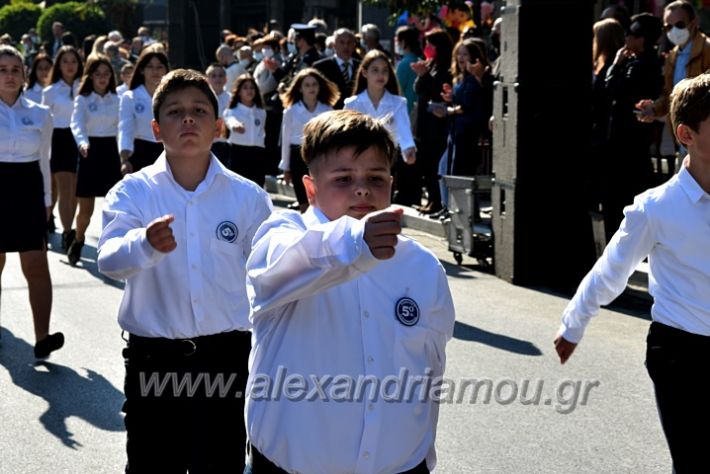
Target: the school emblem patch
(139, 108)
(93, 107)
(27, 121)
(407, 311)
(227, 231)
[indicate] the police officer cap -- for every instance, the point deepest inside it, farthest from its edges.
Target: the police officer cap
(647, 26)
(306, 32)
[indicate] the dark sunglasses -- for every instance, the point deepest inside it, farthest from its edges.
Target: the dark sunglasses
(680, 25)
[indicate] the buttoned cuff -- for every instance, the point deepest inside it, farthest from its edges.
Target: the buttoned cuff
(365, 260)
(150, 256)
(571, 334)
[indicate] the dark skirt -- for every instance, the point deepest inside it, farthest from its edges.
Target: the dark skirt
(248, 161)
(22, 209)
(100, 170)
(144, 153)
(64, 151)
(298, 171)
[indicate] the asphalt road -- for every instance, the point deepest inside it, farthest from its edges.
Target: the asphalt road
(63, 416)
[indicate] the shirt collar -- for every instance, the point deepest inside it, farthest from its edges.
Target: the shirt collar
(685, 50)
(690, 186)
(314, 216)
(161, 166)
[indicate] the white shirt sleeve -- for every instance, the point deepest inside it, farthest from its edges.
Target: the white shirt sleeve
(607, 279)
(230, 120)
(78, 121)
(289, 262)
(126, 123)
(45, 149)
(123, 248)
(286, 131)
(402, 125)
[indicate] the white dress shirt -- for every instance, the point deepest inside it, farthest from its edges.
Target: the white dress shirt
(294, 119)
(392, 110)
(59, 97)
(197, 289)
(264, 79)
(323, 305)
(120, 90)
(26, 136)
(222, 103)
(671, 225)
(253, 118)
(94, 116)
(233, 72)
(35, 93)
(135, 114)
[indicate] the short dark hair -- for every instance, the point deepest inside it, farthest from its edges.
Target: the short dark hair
(684, 5)
(332, 131)
(690, 102)
(178, 80)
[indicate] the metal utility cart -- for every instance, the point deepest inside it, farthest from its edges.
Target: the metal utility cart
(467, 234)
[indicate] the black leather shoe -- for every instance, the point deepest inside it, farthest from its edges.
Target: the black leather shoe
(67, 239)
(74, 252)
(48, 345)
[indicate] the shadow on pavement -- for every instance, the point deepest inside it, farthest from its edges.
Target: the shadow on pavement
(87, 262)
(466, 332)
(68, 394)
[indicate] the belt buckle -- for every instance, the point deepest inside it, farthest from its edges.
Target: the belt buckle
(191, 347)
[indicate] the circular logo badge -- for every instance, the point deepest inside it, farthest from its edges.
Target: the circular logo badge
(257, 122)
(93, 107)
(227, 231)
(27, 121)
(140, 108)
(407, 311)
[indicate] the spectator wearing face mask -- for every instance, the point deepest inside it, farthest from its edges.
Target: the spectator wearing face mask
(689, 58)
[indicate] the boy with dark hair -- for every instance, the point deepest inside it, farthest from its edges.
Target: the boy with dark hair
(337, 290)
(669, 224)
(179, 232)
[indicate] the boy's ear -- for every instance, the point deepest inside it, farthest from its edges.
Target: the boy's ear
(156, 129)
(218, 128)
(310, 186)
(684, 134)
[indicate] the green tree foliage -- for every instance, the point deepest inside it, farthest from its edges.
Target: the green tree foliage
(82, 19)
(18, 17)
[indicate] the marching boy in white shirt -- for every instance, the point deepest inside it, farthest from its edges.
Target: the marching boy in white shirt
(337, 294)
(671, 225)
(179, 232)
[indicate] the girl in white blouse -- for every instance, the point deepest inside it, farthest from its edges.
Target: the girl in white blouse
(94, 124)
(309, 95)
(245, 119)
(377, 95)
(137, 145)
(25, 197)
(40, 73)
(59, 96)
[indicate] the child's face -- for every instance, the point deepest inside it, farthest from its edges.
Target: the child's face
(217, 78)
(101, 78)
(69, 66)
(377, 73)
(310, 87)
(126, 75)
(154, 71)
(44, 71)
(187, 122)
(345, 185)
(11, 74)
(247, 92)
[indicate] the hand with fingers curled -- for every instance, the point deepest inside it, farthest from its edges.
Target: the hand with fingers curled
(564, 348)
(381, 231)
(160, 235)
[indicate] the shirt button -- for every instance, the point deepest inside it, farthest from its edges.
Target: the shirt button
(366, 454)
(370, 359)
(366, 314)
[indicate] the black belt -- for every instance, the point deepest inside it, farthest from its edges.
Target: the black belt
(261, 464)
(171, 348)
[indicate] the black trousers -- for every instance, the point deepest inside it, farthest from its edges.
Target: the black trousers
(259, 464)
(678, 362)
(184, 407)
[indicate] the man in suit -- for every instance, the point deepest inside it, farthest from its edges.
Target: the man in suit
(52, 46)
(342, 68)
(305, 56)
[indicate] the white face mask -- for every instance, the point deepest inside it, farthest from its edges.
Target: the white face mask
(258, 56)
(329, 52)
(678, 36)
(268, 52)
(399, 50)
(244, 63)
